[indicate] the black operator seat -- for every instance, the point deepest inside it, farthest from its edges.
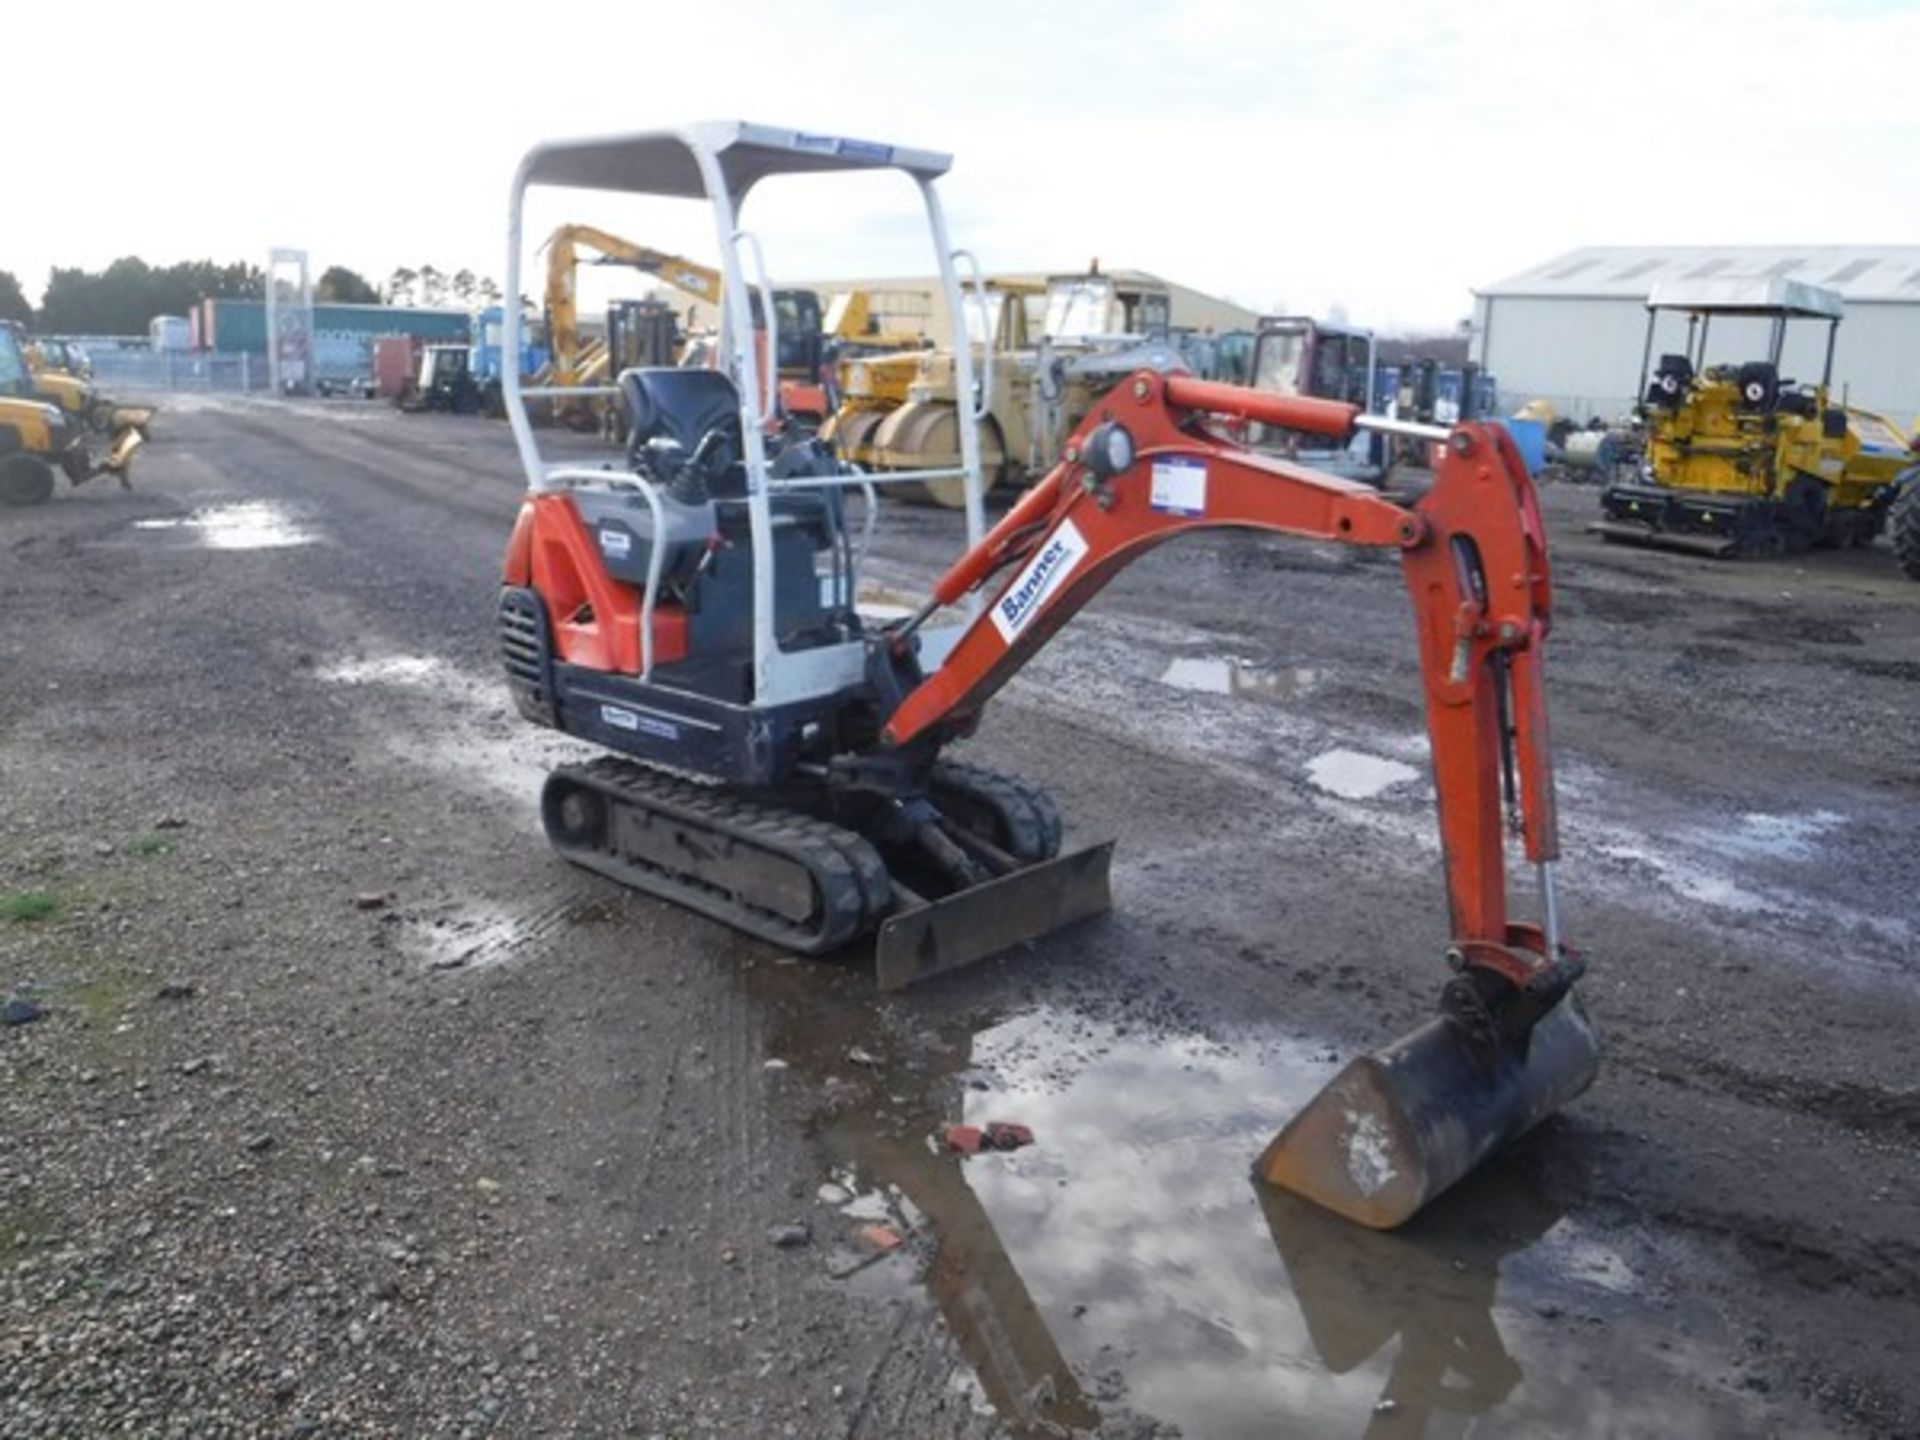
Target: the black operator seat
(1671, 377)
(671, 412)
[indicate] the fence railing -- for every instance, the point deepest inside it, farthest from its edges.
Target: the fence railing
(178, 370)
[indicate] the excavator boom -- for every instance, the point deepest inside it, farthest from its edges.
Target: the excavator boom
(563, 260)
(1149, 465)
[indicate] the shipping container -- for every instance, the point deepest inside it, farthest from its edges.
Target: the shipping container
(396, 358)
(234, 326)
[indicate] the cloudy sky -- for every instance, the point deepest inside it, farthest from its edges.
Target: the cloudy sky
(1382, 157)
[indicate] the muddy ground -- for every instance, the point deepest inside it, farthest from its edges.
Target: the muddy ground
(353, 1111)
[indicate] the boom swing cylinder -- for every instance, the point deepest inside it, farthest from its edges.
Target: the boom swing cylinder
(1512, 1044)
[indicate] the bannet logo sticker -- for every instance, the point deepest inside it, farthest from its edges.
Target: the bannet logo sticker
(1054, 561)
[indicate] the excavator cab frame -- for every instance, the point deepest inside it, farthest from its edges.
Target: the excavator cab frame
(720, 162)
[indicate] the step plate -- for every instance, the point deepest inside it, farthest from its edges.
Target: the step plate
(978, 923)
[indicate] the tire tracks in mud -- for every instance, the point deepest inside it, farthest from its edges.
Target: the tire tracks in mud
(1865, 1109)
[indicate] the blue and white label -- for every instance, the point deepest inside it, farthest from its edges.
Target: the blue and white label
(1179, 485)
(1041, 576)
(616, 544)
(866, 150)
(622, 718)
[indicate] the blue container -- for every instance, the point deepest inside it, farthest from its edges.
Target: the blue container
(1530, 439)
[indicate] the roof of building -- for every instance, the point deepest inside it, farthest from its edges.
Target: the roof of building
(1629, 272)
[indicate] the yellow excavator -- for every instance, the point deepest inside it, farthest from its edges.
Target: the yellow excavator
(804, 333)
(576, 362)
(38, 440)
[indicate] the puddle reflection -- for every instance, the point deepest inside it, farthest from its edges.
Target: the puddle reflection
(1126, 1264)
(1355, 775)
(1225, 675)
(246, 525)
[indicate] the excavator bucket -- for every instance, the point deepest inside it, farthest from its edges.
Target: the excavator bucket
(979, 922)
(1399, 1126)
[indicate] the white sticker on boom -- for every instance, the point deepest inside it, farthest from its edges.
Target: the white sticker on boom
(1179, 485)
(616, 544)
(1022, 600)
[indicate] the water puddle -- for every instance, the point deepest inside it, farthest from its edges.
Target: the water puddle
(1225, 675)
(1776, 837)
(1687, 879)
(1125, 1271)
(1355, 775)
(466, 727)
(245, 525)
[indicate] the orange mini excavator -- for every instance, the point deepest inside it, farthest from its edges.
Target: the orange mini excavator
(781, 757)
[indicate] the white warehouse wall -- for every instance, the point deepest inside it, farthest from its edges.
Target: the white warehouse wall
(1583, 355)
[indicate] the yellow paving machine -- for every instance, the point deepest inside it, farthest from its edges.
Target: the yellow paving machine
(1741, 459)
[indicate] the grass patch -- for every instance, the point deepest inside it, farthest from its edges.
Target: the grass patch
(28, 906)
(153, 843)
(105, 995)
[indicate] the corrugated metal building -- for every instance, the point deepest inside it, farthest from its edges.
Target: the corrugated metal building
(1572, 330)
(912, 302)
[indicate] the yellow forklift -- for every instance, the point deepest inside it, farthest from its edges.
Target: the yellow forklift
(1739, 459)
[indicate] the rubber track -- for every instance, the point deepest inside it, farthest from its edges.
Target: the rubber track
(853, 892)
(1030, 818)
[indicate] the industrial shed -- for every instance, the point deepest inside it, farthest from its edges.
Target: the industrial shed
(1572, 330)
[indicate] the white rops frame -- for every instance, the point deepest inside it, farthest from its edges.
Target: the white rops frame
(720, 161)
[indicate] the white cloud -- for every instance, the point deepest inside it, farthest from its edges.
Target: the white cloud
(1385, 156)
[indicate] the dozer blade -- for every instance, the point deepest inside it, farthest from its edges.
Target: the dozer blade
(1720, 547)
(1397, 1127)
(981, 922)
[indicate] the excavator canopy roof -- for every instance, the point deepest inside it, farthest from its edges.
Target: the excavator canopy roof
(1771, 295)
(664, 162)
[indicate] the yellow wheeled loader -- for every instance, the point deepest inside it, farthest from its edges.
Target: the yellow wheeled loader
(78, 398)
(1739, 460)
(38, 441)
